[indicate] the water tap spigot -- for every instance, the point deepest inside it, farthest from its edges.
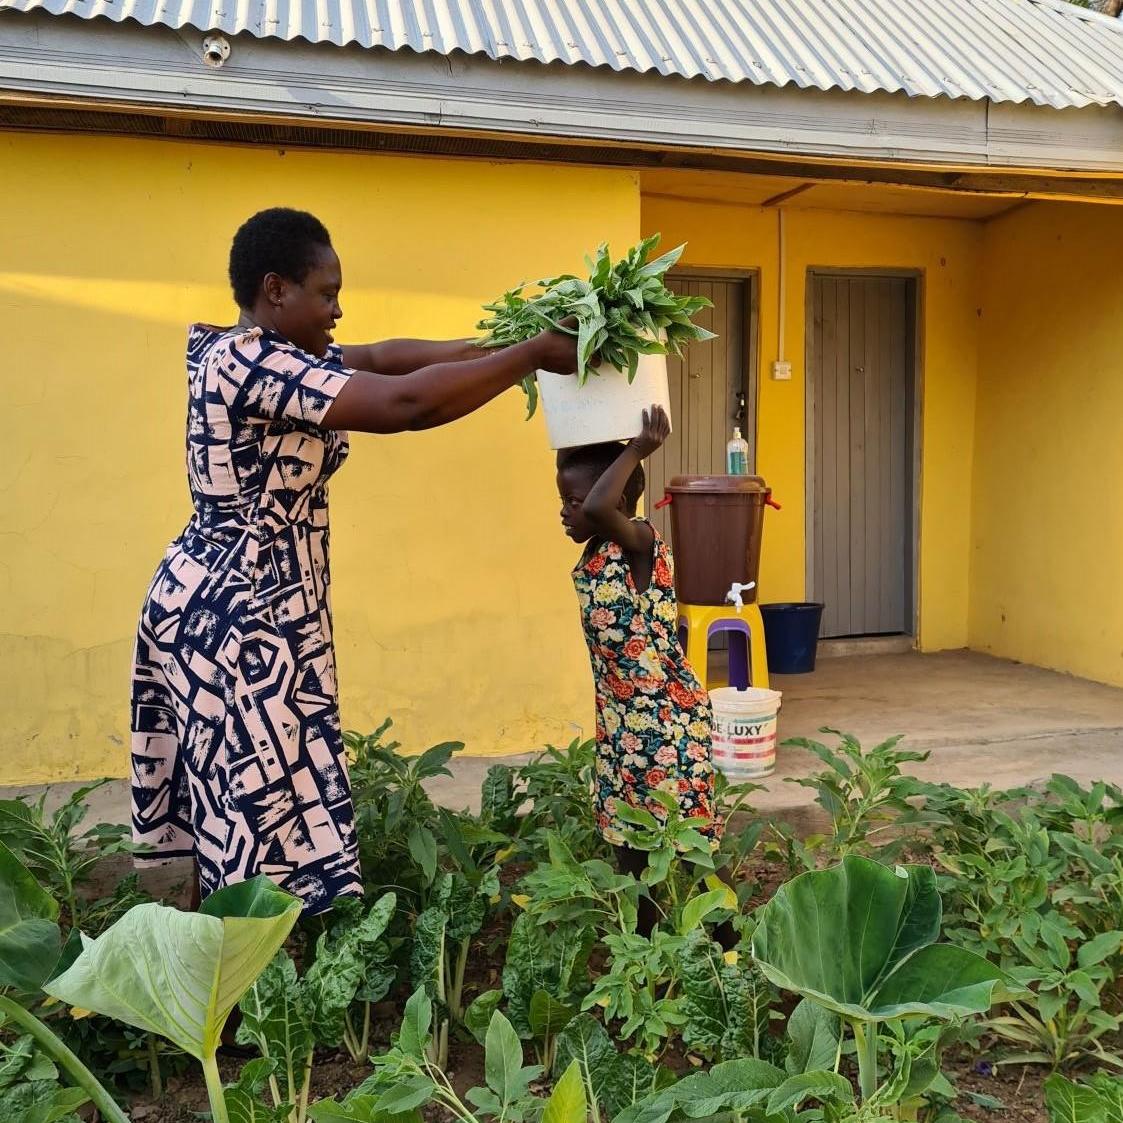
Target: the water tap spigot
(733, 597)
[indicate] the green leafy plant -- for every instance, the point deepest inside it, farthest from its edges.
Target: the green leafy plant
(864, 792)
(30, 944)
(555, 787)
(1000, 891)
(407, 1078)
(639, 989)
(614, 1082)
(179, 974)
(859, 939)
(1099, 1100)
(623, 310)
(357, 935)
(678, 854)
(1029, 876)
(396, 821)
(726, 1001)
(1062, 1020)
(286, 1015)
(544, 979)
(442, 938)
(749, 1090)
(589, 894)
(60, 858)
(29, 1086)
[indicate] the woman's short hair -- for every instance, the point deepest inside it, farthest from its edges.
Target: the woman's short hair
(279, 240)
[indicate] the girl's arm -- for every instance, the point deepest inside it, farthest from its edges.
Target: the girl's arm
(404, 356)
(603, 507)
(442, 392)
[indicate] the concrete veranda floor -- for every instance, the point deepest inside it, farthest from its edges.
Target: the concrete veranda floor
(983, 720)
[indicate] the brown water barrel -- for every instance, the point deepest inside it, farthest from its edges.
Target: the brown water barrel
(717, 523)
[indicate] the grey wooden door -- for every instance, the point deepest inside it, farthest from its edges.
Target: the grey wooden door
(709, 391)
(861, 495)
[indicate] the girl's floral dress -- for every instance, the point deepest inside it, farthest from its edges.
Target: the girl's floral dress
(653, 715)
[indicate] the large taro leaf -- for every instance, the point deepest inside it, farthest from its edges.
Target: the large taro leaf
(29, 936)
(814, 1034)
(859, 939)
(180, 974)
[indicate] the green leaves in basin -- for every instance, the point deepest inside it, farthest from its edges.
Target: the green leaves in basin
(180, 974)
(860, 940)
(29, 936)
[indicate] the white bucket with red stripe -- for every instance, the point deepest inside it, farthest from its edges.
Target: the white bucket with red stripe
(745, 732)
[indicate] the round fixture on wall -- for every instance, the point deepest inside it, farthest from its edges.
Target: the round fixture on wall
(216, 50)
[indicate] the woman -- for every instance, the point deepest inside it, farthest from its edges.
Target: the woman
(238, 761)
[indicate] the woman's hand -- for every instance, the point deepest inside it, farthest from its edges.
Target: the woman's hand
(559, 349)
(656, 429)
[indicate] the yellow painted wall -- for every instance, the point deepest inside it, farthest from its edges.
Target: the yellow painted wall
(453, 605)
(1048, 497)
(947, 252)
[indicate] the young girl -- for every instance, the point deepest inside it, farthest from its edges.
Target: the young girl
(653, 715)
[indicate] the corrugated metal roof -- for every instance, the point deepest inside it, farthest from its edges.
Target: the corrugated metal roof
(1044, 51)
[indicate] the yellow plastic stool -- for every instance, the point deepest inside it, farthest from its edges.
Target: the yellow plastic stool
(697, 623)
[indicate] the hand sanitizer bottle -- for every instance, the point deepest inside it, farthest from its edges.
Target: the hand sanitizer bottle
(737, 455)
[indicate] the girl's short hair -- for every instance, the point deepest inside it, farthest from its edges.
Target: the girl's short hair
(596, 460)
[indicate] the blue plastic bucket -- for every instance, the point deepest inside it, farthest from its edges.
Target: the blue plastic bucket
(791, 632)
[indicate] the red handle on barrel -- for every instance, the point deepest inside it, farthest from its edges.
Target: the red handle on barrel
(770, 502)
(664, 502)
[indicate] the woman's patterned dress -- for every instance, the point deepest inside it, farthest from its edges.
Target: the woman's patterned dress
(237, 755)
(653, 715)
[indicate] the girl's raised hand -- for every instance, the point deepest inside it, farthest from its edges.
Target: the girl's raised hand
(656, 429)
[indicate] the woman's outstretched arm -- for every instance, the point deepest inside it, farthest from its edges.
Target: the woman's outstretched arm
(403, 356)
(373, 402)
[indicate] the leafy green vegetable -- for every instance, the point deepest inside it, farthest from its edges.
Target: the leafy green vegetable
(814, 1036)
(244, 1102)
(567, 1103)
(407, 1077)
(478, 1015)
(623, 310)
(733, 1086)
(541, 962)
(1069, 1102)
(29, 1086)
(29, 953)
(180, 974)
(865, 793)
(286, 1016)
(859, 939)
(727, 1006)
(880, 925)
(53, 850)
(637, 988)
(612, 1081)
(29, 936)
(508, 1081)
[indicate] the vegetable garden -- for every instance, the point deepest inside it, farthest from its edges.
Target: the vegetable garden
(937, 954)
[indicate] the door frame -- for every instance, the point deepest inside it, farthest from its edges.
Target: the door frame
(750, 313)
(914, 335)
